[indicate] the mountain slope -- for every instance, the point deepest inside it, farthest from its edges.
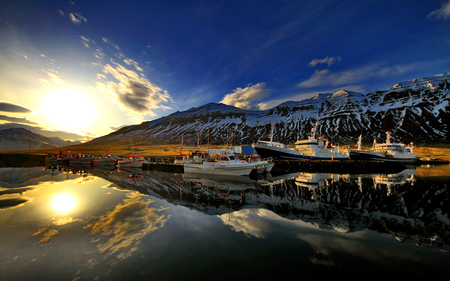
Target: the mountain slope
(23, 139)
(416, 110)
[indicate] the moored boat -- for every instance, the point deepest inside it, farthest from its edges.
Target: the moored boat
(309, 149)
(221, 164)
(134, 160)
(107, 159)
(260, 165)
(388, 151)
(81, 159)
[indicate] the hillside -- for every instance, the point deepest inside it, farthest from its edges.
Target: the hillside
(22, 139)
(414, 111)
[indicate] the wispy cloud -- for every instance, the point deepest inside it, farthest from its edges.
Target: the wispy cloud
(328, 60)
(18, 120)
(133, 63)
(99, 53)
(9, 107)
(77, 18)
(51, 61)
(20, 53)
(106, 40)
(441, 13)
(131, 90)
(326, 78)
(60, 12)
(85, 41)
(244, 97)
(54, 77)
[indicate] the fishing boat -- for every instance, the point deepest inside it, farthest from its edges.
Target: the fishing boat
(309, 149)
(106, 159)
(134, 160)
(81, 159)
(388, 151)
(221, 164)
(260, 165)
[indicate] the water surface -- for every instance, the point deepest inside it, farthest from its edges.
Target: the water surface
(85, 224)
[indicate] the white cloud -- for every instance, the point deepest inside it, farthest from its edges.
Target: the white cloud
(54, 77)
(77, 18)
(326, 78)
(131, 91)
(244, 97)
(21, 53)
(60, 12)
(106, 40)
(442, 13)
(328, 60)
(99, 53)
(133, 63)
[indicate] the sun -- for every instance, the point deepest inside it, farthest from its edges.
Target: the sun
(68, 110)
(64, 202)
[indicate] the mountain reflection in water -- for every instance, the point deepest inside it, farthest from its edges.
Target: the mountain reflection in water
(112, 224)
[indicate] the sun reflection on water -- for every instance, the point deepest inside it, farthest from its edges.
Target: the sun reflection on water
(64, 202)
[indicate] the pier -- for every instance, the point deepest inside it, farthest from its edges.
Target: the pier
(166, 164)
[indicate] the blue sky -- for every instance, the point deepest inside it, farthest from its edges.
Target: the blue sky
(80, 69)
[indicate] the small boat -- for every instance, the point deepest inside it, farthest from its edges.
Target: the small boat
(52, 158)
(221, 164)
(81, 159)
(309, 149)
(387, 151)
(107, 159)
(63, 160)
(261, 166)
(134, 160)
(132, 172)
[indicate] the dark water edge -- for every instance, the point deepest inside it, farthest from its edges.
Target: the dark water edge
(21, 160)
(281, 166)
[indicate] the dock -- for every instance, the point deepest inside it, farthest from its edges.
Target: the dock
(166, 164)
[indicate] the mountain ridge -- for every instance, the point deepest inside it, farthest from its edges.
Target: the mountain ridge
(414, 111)
(23, 139)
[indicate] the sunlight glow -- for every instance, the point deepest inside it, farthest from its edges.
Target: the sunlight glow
(68, 110)
(64, 202)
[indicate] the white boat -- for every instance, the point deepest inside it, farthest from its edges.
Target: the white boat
(221, 164)
(309, 149)
(260, 165)
(387, 151)
(107, 159)
(134, 160)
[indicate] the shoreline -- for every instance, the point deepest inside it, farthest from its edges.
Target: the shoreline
(281, 166)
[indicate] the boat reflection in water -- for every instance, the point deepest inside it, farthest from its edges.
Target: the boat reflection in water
(114, 224)
(132, 173)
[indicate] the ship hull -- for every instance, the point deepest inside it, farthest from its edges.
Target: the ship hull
(283, 154)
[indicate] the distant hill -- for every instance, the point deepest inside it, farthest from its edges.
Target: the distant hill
(22, 139)
(414, 111)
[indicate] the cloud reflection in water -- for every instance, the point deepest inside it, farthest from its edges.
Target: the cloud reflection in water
(126, 225)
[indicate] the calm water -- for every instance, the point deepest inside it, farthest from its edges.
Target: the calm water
(142, 225)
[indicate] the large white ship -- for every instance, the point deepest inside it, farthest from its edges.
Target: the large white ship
(387, 151)
(309, 149)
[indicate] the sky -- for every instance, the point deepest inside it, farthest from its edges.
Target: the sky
(83, 69)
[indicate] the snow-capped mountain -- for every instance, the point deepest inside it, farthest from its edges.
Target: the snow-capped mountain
(414, 111)
(22, 139)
